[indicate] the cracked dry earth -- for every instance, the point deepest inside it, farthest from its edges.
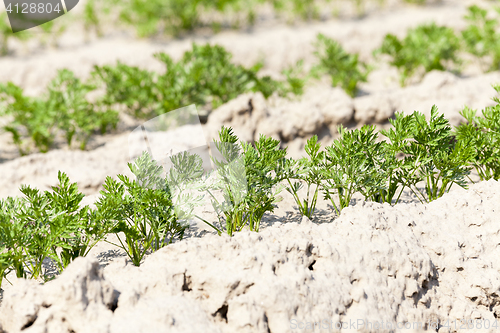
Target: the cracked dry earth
(407, 264)
(410, 264)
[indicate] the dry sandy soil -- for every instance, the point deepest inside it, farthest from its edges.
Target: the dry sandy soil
(411, 263)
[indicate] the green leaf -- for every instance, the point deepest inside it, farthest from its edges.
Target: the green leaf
(427, 47)
(344, 69)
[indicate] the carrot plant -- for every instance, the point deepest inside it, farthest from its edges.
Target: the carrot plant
(152, 17)
(432, 155)
(91, 17)
(141, 209)
(357, 163)
(78, 118)
(56, 222)
(307, 170)
(350, 166)
(48, 224)
(482, 134)
(481, 37)
(344, 69)
(185, 179)
(175, 17)
(6, 34)
(264, 163)
(209, 73)
(154, 209)
(130, 86)
(443, 162)
(307, 9)
(204, 75)
(230, 182)
(13, 236)
(248, 177)
(34, 123)
(400, 171)
(427, 47)
(63, 110)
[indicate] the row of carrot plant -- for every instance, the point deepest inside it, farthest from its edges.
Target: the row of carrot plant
(172, 17)
(206, 76)
(156, 208)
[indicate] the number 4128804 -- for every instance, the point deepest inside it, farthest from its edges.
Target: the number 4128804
(33, 8)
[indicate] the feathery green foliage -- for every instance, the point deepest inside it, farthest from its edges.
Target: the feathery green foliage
(46, 225)
(249, 175)
(481, 37)
(427, 47)
(174, 17)
(156, 208)
(432, 155)
(129, 86)
(141, 209)
(350, 166)
(64, 110)
(91, 17)
(6, 34)
(152, 16)
(308, 170)
(482, 134)
(203, 75)
(344, 69)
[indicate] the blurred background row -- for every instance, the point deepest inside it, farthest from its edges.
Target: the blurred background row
(176, 18)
